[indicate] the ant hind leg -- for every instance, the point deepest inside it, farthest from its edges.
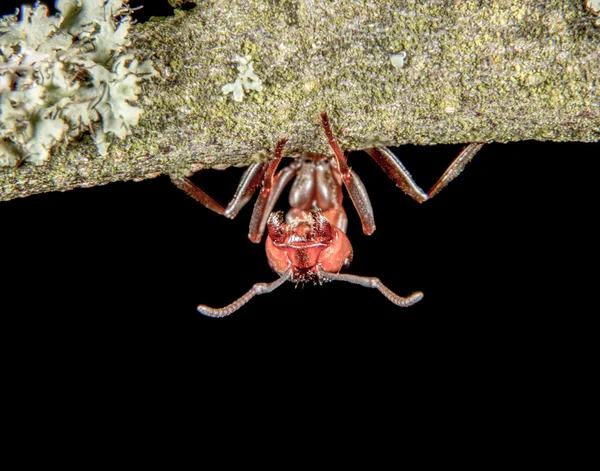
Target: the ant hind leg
(397, 172)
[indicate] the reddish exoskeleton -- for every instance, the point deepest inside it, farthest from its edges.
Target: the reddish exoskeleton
(309, 242)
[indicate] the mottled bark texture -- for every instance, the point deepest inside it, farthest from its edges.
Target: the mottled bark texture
(468, 71)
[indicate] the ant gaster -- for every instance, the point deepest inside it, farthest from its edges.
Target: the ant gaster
(310, 242)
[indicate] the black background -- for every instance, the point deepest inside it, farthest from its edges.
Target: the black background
(513, 238)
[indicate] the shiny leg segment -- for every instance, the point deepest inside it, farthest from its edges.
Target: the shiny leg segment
(397, 172)
(250, 181)
(457, 166)
(192, 190)
(272, 187)
(354, 185)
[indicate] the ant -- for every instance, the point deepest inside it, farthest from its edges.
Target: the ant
(309, 243)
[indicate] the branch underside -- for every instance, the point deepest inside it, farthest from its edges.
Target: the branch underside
(504, 72)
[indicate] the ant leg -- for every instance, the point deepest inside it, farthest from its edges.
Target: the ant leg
(262, 208)
(257, 289)
(273, 185)
(395, 170)
(249, 182)
(354, 185)
(457, 166)
(372, 282)
(186, 185)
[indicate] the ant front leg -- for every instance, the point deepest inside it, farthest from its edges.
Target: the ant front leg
(267, 197)
(273, 185)
(354, 185)
(396, 171)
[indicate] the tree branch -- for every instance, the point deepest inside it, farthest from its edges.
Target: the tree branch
(470, 72)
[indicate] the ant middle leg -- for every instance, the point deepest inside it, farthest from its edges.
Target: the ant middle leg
(250, 181)
(256, 175)
(200, 196)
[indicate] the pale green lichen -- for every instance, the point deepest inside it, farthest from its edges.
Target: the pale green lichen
(594, 6)
(246, 80)
(65, 74)
(397, 60)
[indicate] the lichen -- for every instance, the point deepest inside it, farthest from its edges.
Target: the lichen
(594, 7)
(397, 60)
(65, 74)
(246, 80)
(503, 81)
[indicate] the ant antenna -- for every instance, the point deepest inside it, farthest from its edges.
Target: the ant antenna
(372, 282)
(258, 288)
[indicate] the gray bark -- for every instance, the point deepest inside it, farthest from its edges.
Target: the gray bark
(473, 71)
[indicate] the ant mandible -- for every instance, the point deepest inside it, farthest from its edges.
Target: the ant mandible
(309, 243)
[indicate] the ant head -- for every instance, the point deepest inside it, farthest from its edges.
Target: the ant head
(307, 242)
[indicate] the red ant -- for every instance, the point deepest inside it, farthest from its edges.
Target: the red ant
(310, 242)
